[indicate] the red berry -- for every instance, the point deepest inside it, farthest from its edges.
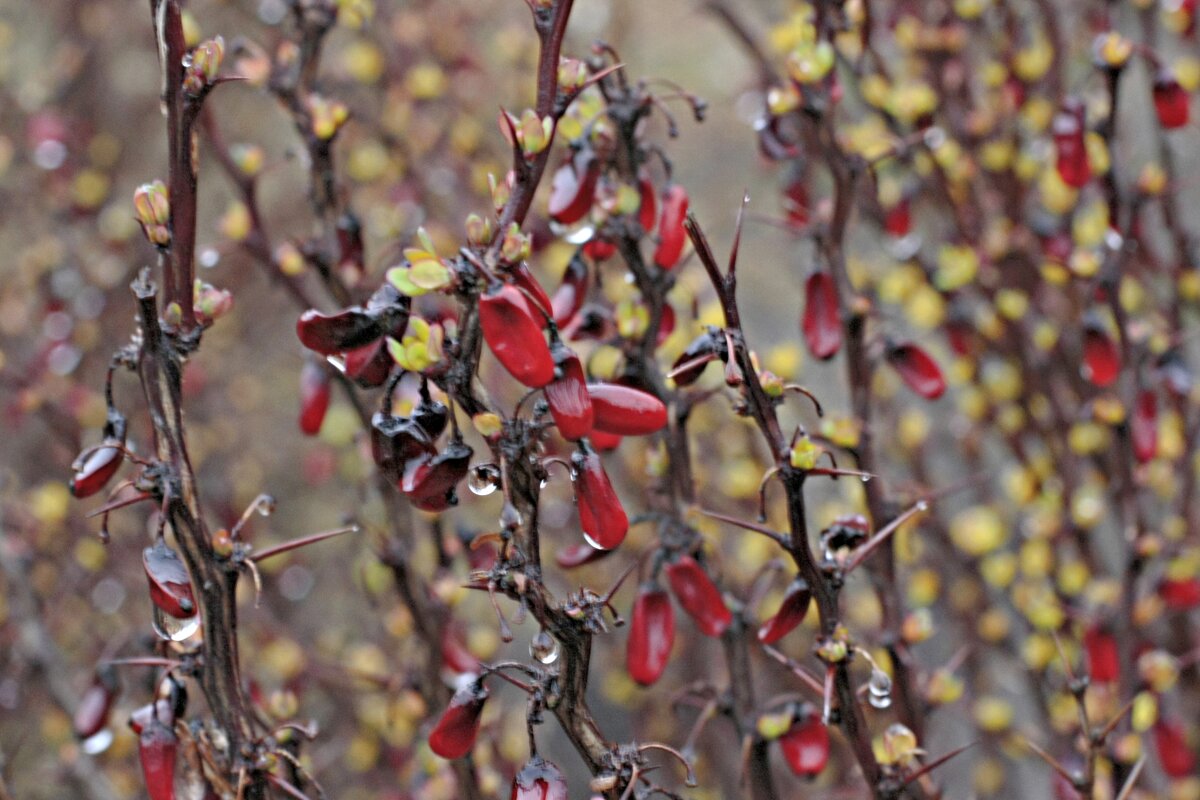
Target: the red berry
(454, 734)
(651, 635)
(1170, 101)
(806, 746)
(796, 202)
(513, 331)
(170, 586)
(625, 410)
(897, 220)
(790, 614)
(1143, 426)
(572, 188)
(918, 371)
(1101, 359)
(578, 554)
(455, 656)
(1180, 594)
(314, 396)
(91, 715)
(1171, 743)
(571, 293)
(523, 279)
(330, 334)
(539, 780)
(567, 395)
(1068, 131)
(1102, 660)
(98, 469)
(157, 746)
(822, 323)
(698, 596)
(648, 210)
(598, 249)
(601, 514)
(429, 481)
(671, 233)
(369, 365)
(395, 441)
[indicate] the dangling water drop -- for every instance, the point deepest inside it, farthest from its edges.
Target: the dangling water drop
(879, 689)
(544, 648)
(483, 479)
(592, 542)
(173, 629)
(922, 505)
(97, 743)
(865, 478)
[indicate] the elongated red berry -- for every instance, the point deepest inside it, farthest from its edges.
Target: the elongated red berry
(432, 416)
(170, 586)
(395, 441)
(671, 234)
(917, 369)
(369, 365)
(315, 394)
(897, 220)
(157, 747)
(648, 210)
(593, 321)
(571, 293)
(790, 614)
(1100, 647)
(796, 202)
(1101, 359)
(572, 187)
(708, 346)
(1170, 741)
(698, 596)
(1170, 100)
(539, 779)
(1180, 594)
(1068, 131)
(97, 469)
(625, 410)
(822, 322)
(513, 331)
(454, 734)
(806, 746)
(1143, 426)
(567, 395)
(960, 333)
(651, 635)
(429, 482)
(330, 334)
(523, 279)
(92, 713)
(601, 514)
(599, 249)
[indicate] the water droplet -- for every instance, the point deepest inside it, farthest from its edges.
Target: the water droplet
(544, 648)
(592, 542)
(484, 479)
(880, 701)
(544, 482)
(922, 505)
(98, 742)
(865, 478)
(173, 629)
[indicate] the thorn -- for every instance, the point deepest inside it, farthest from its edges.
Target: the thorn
(869, 546)
(1134, 774)
(937, 762)
(302, 542)
(741, 523)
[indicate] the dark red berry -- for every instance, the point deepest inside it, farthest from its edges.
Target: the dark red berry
(625, 410)
(1143, 426)
(822, 323)
(651, 635)
(790, 614)
(806, 746)
(315, 394)
(539, 780)
(1068, 131)
(1170, 101)
(170, 586)
(698, 596)
(454, 734)
(917, 369)
(1102, 660)
(601, 514)
(1101, 358)
(671, 234)
(157, 746)
(573, 186)
(513, 331)
(571, 293)
(567, 395)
